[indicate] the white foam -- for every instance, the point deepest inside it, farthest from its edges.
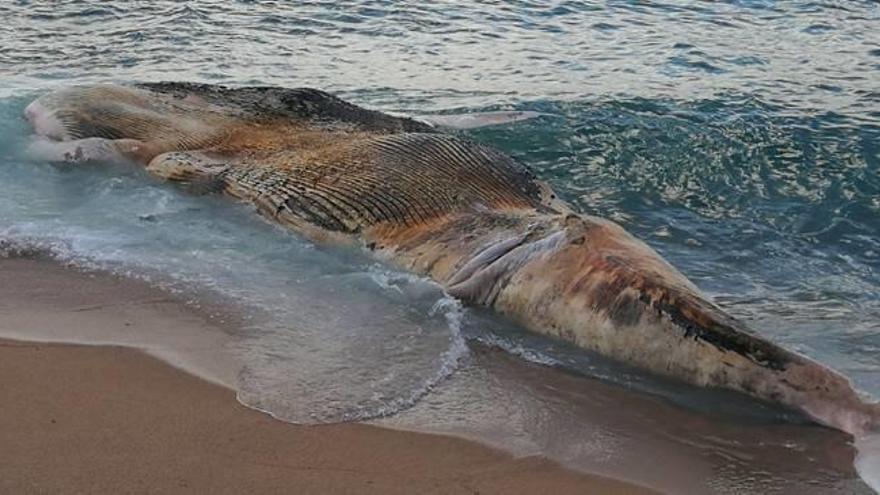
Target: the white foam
(868, 459)
(518, 349)
(453, 311)
(43, 121)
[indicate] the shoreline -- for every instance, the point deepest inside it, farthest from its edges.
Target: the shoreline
(120, 415)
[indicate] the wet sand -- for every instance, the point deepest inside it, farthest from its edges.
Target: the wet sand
(112, 419)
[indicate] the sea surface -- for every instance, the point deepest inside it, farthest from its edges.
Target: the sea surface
(740, 139)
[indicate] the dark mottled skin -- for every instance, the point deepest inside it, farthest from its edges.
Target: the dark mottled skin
(268, 103)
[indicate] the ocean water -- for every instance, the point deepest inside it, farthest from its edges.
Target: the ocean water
(740, 139)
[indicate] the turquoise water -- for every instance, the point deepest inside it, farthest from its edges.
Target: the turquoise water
(739, 139)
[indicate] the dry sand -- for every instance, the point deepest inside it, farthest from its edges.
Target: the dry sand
(111, 419)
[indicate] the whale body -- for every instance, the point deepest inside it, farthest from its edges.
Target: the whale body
(462, 213)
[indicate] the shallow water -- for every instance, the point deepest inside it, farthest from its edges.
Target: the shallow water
(739, 139)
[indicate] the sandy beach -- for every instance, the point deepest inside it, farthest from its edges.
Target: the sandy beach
(114, 419)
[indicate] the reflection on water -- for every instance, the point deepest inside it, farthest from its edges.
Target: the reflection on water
(806, 55)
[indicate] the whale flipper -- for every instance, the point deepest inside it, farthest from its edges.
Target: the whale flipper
(478, 119)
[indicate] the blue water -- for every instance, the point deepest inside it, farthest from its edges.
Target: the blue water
(740, 139)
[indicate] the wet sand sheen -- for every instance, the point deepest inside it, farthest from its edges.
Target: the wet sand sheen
(41, 300)
(112, 419)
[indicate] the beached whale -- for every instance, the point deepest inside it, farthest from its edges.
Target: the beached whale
(462, 213)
